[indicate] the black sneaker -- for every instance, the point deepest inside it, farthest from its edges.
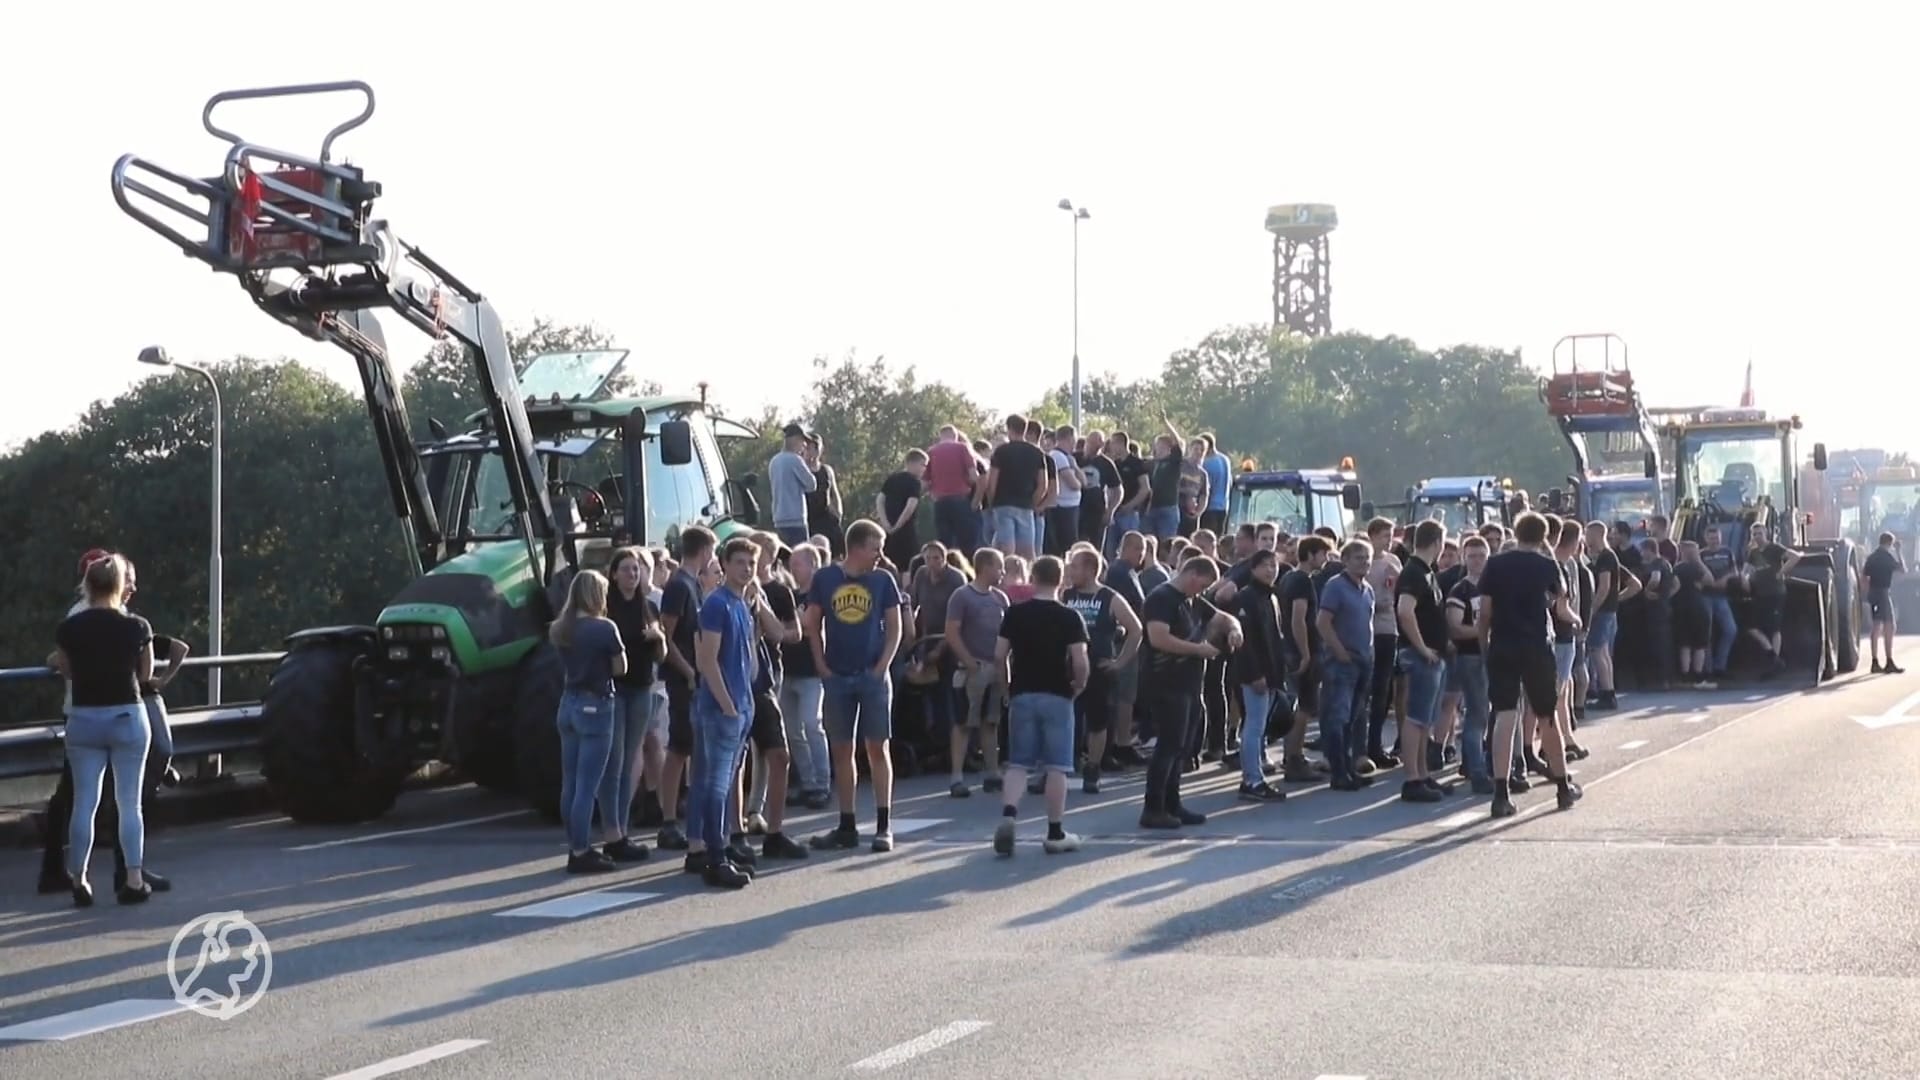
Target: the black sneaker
(1517, 784)
(836, 840)
(670, 838)
(1435, 785)
(1415, 791)
(624, 850)
(781, 846)
(1090, 783)
(1261, 792)
(694, 863)
(593, 862)
(960, 790)
(1190, 817)
(992, 784)
(1877, 667)
(1894, 669)
(1003, 837)
(726, 876)
(739, 853)
(1568, 795)
(1502, 806)
(1159, 819)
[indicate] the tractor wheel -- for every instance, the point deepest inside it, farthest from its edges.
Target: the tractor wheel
(307, 741)
(536, 729)
(483, 734)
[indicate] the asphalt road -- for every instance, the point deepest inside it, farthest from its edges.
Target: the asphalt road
(1733, 898)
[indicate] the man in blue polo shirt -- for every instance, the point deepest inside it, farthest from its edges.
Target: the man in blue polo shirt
(853, 627)
(1213, 516)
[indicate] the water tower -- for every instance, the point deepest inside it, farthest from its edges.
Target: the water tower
(1302, 271)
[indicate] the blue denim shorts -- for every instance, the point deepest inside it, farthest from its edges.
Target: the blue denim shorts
(1040, 732)
(1563, 653)
(857, 706)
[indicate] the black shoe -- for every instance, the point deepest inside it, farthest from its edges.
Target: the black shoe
(1576, 752)
(1158, 819)
(133, 896)
(726, 876)
(1502, 806)
(593, 862)
(1894, 669)
(82, 894)
(780, 846)
(1535, 764)
(818, 800)
(153, 880)
(670, 838)
(1344, 783)
(1090, 783)
(1877, 668)
(1361, 780)
(836, 840)
(1436, 756)
(1383, 760)
(1568, 795)
(1517, 784)
(1415, 791)
(739, 853)
(1261, 792)
(694, 863)
(1437, 786)
(992, 784)
(624, 850)
(1189, 817)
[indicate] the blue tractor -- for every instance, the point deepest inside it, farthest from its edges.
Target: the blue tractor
(1297, 500)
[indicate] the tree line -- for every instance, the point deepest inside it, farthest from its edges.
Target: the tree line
(310, 537)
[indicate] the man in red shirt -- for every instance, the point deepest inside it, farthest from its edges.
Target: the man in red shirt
(952, 471)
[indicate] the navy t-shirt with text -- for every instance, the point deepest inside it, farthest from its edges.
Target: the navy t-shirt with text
(853, 610)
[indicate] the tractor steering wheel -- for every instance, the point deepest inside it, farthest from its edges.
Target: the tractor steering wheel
(593, 506)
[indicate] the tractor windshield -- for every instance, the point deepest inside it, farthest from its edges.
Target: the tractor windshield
(1896, 508)
(1732, 467)
(1458, 515)
(1631, 504)
(1285, 507)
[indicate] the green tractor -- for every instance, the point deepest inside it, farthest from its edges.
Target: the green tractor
(496, 522)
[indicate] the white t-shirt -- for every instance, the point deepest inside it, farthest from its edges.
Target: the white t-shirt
(1063, 463)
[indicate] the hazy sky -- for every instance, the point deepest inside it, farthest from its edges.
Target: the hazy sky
(732, 189)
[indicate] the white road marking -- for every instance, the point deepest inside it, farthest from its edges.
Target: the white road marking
(91, 1020)
(1461, 817)
(1696, 718)
(1634, 745)
(1307, 889)
(370, 837)
(913, 1048)
(903, 826)
(1894, 716)
(1338, 1076)
(576, 905)
(413, 1060)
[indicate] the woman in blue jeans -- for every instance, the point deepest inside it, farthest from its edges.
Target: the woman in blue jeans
(107, 656)
(593, 655)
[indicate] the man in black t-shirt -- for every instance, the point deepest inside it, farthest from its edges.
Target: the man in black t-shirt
(1134, 491)
(1467, 671)
(1100, 493)
(1163, 489)
(680, 621)
(1718, 558)
(1876, 580)
(1113, 638)
(1522, 593)
(1420, 610)
(1015, 489)
(1299, 610)
(1768, 565)
(1179, 624)
(1043, 649)
(1613, 583)
(897, 508)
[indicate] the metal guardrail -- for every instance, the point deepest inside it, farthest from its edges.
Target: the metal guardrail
(38, 749)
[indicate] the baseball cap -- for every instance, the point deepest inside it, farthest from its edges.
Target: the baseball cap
(92, 556)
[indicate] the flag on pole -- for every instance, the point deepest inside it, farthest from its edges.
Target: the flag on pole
(1746, 396)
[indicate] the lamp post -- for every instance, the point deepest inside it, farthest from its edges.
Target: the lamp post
(157, 356)
(1079, 215)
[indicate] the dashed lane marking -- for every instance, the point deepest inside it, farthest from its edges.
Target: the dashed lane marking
(578, 904)
(411, 1061)
(91, 1020)
(372, 837)
(933, 1040)
(1308, 889)
(1634, 745)
(1461, 817)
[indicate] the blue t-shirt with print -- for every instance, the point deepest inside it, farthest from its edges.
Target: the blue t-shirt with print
(726, 616)
(853, 611)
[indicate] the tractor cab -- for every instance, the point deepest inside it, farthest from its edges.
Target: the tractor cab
(1735, 471)
(619, 470)
(1461, 503)
(1608, 498)
(1296, 500)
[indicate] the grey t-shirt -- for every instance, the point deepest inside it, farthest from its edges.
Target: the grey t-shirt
(791, 481)
(588, 657)
(979, 614)
(933, 587)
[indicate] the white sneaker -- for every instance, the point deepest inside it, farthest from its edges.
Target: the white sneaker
(1069, 842)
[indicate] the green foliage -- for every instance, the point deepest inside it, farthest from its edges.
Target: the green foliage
(1402, 413)
(869, 416)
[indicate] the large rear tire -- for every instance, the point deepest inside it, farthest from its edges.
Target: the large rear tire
(536, 729)
(483, 733)
(307, 750)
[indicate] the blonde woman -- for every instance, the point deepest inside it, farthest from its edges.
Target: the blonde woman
(106, 655)
(593, 655)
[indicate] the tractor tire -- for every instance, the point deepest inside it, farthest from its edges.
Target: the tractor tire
(307, 750)
(1847, 602)
(483, 733)
(536, 728)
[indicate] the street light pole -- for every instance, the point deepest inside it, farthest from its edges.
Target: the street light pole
(215, 617)
(1079, 216)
